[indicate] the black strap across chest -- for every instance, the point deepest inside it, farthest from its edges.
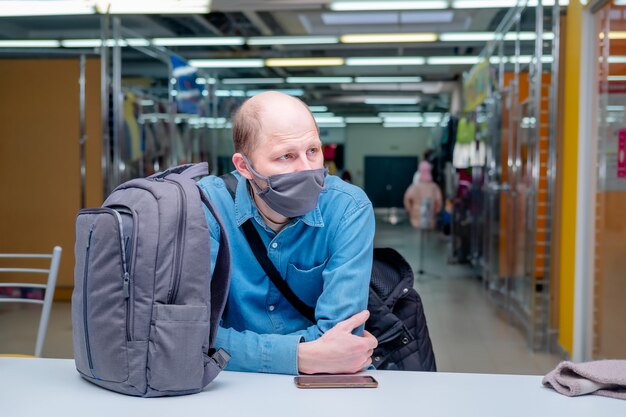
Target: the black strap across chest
(260, 252)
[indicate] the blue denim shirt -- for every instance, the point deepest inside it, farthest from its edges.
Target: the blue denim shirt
(325, 256)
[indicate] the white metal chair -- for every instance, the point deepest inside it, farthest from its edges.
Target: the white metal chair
(55, 260)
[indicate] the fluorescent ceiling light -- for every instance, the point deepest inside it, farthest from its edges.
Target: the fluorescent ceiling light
(444, 16)
(385, 87)
(318, 80)
(433, 117)
(387, 18)
(211, 41)
(326, 119)
(522, 36)
(385, 115)
(303, 62)
(30, 44)
(617, 59)
(153, 6)
(392, 100)
(219, 122)
(204, 81)
(88, 7)
(137, 42)
(96, 43)
(467, 37)
(522, 59)
(81, 43)
(320, 109)
(292, 40)
(357, 119)
(45, 8)
(533, 3)
(483, 4)
(398, 79)
(324, 114)
(453, 60)
(406, 60)
(404, 119)
(388, 5)
(226, 63)
(615, 108)
(194, 120)
(230, 93)
(289, 91)
(254, 81)
(360, 18)
(331, 125)
(616, 78)
(388, 37)
(401, 124)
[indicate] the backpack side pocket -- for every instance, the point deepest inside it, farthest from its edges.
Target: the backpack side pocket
(178, 343)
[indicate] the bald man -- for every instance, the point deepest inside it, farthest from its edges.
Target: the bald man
(319, 233)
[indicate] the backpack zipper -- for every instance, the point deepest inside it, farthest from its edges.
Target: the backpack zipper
(125, 275)
(85, 298)
(130, 302)
(178, 250)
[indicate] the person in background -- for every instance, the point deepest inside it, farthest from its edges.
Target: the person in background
(319, 233)
(422, 199)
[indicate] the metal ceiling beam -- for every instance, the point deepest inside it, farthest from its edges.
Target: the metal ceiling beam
(256, 20)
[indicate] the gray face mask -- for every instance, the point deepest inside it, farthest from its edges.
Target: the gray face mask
(293, 194)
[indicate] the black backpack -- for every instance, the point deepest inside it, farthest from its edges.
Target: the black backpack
(397, 317)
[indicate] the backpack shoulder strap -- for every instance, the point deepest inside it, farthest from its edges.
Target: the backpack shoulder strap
(220, 281)
(231, 183)
(260, 253)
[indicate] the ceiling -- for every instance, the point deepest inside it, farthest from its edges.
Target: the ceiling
(252, 18)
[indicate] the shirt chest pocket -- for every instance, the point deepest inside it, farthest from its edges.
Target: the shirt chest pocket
(307, 284)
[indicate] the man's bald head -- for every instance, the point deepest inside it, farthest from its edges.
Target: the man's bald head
(278, 110)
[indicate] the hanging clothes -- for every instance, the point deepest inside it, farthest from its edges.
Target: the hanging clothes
(466, 131)
(131, 127)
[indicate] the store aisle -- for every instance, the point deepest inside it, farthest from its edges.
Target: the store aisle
(468, 333)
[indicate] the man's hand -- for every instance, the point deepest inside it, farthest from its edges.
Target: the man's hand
(338, 351)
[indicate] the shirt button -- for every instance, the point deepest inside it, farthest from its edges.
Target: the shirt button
(271, 308)
(274, 245)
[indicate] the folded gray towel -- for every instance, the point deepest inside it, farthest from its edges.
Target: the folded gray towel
(605, 377)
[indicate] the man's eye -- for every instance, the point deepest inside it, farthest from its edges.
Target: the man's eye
(284, 157)
(313, 151)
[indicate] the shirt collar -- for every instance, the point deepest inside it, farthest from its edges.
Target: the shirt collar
(245, 208)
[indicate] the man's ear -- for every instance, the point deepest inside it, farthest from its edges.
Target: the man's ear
(240, 165)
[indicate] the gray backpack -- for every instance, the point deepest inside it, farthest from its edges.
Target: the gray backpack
(145, 310)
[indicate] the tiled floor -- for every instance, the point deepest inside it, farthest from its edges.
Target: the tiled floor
(468, 333)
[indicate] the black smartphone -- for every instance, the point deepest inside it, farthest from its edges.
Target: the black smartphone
(335, 381)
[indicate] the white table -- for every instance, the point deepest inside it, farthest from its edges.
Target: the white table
(52, 387)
